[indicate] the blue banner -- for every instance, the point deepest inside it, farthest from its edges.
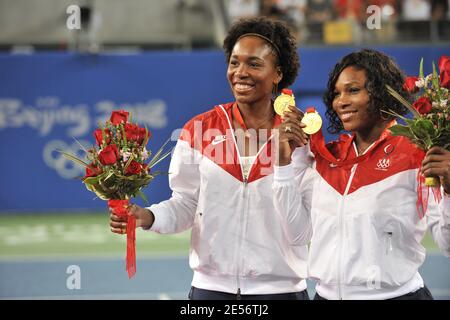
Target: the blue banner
(54, 101)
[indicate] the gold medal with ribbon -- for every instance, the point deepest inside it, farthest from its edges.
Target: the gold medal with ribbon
(312, 120)
(283, 101)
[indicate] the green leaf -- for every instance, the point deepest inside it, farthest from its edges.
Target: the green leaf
(403, 101)
(144, 143)
(426, 125)
(124, 136)
(73, 158)
(423, 128)
(435, 79)
(155, 158)
(395, 114)
(128, 162)
(142, 195)
(79, 143)
(399, 130)
(160, 159)
(421, 68)
(94, 184)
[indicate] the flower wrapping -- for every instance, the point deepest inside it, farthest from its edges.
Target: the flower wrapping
(120, 208)
(117, 170)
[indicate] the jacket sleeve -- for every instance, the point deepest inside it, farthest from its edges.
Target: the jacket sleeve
(177, 213)
(438, 220)
(293, 186)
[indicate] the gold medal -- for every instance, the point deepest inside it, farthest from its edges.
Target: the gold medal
(283, 101)
(312, 120)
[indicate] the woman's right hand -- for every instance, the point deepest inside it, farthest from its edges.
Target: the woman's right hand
(290, 135)
(144, 219)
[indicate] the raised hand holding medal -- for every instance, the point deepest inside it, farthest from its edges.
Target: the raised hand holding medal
(296, 126)
(312, 119)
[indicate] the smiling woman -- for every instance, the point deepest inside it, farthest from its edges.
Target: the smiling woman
(253, 71)
(262, 60)
(367, 231)
(239, 249)
(351, 104)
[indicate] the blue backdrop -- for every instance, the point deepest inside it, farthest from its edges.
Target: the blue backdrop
(48, 100)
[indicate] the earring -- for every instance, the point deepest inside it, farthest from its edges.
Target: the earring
(384, 116)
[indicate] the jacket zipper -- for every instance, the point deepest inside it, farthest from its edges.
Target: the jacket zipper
(241, 234)
(244, 212)
(243, 223)
(341, 229)
(245, 198)
(244, 184)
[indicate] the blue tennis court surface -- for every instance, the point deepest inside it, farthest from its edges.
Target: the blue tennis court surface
(156, 278)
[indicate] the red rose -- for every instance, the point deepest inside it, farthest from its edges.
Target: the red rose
(143, 134)
(119, 116)
(134, 168)
(131, 131)
(444, 63)
(422, 105)
(444, 70)
(109, 155)
(410, 84)
(98, 134)
(444, 79)
(92, 171)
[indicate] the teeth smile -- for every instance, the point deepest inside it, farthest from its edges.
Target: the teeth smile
(347, 115)
(241, 86)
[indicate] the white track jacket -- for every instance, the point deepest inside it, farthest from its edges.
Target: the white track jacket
(237, 242)
(367, 233)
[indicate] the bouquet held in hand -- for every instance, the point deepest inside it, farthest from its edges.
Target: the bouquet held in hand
(118, 170)
(430, 125)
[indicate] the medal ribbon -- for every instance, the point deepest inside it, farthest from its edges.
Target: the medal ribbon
(238, 117)
(318, 144)
(318, 147)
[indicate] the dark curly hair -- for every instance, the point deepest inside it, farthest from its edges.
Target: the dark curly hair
(380, 70)
(279, 34)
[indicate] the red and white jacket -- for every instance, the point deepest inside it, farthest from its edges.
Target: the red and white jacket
(367, 233)
(237, 242)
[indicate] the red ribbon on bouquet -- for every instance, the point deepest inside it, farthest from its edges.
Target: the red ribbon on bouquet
(120, 208)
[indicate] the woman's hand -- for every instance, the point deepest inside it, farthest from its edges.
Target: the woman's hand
(437, 163)
(290, 135)
(144, 219)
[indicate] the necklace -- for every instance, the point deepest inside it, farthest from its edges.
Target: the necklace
(238, 117)
(362, 149)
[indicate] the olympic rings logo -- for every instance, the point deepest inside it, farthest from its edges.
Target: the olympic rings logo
(65, 167)
(383, 164)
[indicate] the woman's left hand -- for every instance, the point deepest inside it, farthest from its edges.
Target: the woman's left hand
(437, 163)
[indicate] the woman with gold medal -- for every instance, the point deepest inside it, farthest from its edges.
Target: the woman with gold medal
(361, 194)
(221, 175)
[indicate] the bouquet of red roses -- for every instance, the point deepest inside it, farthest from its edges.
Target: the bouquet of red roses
(430, 125)
(117, 169)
